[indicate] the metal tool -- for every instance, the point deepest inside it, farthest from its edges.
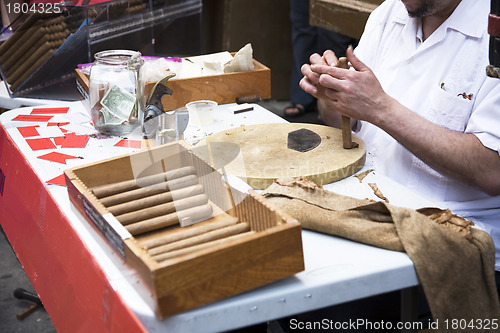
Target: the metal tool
(159, 125)
(20, 293)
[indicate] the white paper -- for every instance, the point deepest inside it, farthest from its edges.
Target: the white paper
(59, 118)
(117, 226)
(80, 118)
(242, 61)
(81, 129)
(49, 131)
(221, 57)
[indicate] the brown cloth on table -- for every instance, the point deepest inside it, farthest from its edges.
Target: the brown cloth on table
(454, 262)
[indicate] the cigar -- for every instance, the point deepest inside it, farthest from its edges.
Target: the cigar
(195, 213)
(18, 33)
(154, 200)
(127, 196)
(248, 99)
(34, 42)
(10, 69)
(19, 52)
(26, 34)
(53, 19)
(163, 209)
(194, 248)
(20, 41)
(63, 34)
(16, 72)
(200, 239)
(191, 231)
(23, 68)
(32, 69)
(61, 26)
(245, 108)
(110, 189)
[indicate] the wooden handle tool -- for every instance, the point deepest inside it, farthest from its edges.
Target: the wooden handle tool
(346, 121)
(28, 311)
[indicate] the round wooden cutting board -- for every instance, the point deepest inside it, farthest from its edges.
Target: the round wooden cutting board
(259, 154)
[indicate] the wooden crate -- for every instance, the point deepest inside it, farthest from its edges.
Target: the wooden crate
(272, 250)
(223, 88)
(346, 17)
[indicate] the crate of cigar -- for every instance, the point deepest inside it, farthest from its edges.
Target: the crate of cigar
(192, 238)
(32, 45)
(38, 60)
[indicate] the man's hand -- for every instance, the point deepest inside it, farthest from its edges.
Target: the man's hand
(310, 81)
(310, 84)
(356, 94)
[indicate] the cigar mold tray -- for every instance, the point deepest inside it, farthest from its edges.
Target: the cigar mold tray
(192, 238)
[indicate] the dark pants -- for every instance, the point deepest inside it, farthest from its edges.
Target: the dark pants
(497, 280)
(307, 40)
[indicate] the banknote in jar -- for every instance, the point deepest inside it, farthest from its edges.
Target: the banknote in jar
(118, 105)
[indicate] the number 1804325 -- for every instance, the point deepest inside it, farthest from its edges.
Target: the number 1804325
(41, 8)
(462, 324)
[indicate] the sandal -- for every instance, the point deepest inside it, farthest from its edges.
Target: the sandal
(301, 109)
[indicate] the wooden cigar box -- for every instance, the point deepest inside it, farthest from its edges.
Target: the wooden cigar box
(192, 275)
(223, 88)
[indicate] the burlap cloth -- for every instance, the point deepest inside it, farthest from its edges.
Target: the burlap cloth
(453, 261)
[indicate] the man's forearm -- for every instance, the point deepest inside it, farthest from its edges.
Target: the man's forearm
(459, 155)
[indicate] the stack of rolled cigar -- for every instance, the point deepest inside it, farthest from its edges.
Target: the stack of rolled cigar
(156, 201)
(33, 43)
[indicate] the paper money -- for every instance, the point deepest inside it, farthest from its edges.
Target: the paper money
(118, 105)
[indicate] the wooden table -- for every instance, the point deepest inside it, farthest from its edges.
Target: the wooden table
(85, 285)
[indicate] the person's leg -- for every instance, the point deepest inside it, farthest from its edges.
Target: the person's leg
(304, 43)
(497, 279)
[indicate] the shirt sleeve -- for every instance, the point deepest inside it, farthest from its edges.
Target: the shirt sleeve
(485, 118)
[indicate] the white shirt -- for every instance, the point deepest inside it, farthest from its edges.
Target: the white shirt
(435, 78)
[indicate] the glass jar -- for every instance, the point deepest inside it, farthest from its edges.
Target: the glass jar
(115, 91)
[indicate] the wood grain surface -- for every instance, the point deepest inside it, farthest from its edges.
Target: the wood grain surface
(264, 156)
